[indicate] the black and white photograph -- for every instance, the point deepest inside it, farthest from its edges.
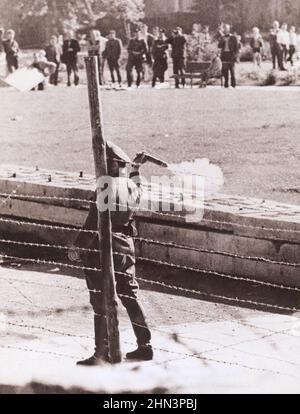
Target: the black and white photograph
(149, 200)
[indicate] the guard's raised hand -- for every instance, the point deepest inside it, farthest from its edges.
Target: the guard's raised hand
(73, 254)
(140, 159)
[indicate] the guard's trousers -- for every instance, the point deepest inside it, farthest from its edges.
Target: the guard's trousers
(127, 290)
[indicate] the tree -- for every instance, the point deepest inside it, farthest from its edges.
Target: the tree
(234, 12)
(71, 13)
(244, 14)
(128, 11)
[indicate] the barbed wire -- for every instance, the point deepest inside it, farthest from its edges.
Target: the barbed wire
(47, 226)
(158, 243)
(218, 361)
(181, 353)
(42, 328)
(53, 246)
(217, 252)
(168, 333)
(194, 355)
(214, 296)
(140, 208)
(147, 260)
(153, 282)
(26, 282)
(227, 223)
(50, 263)
(194, 313)
(162, 284)
(213, 273)
(54, 198)
(9, 195)
(23, 349)
(44, 262)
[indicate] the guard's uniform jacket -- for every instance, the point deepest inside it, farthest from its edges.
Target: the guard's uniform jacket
(137, 51)
(229, 46)
(112, 53)
(160, 66)
(127, 193)
(71, 48)
(276, 53)
(178, 55)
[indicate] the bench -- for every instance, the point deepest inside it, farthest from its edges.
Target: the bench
(195, 70)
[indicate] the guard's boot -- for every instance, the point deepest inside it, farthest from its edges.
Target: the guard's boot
(101, 344)
(142, 353)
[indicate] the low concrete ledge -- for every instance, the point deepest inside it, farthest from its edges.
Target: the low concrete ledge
(243, 237)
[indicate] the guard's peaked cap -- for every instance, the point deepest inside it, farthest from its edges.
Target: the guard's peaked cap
(116, 153)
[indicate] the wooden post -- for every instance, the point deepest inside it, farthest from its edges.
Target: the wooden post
(104, 218)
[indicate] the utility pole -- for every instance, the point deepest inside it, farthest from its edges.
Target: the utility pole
(109, 295)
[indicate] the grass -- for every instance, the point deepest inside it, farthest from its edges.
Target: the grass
(252, 134)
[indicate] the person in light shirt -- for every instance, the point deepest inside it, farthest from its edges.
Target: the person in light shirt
(293, 44)
(283, 38)
(257, 45)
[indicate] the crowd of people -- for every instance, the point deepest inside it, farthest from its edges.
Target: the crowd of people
(284, 44)
(148, 53)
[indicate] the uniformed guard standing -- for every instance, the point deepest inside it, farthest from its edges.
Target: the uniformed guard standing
(112, 53)
(127, 193)
(178, 42)
(229, 52)
(71, 48)
(159, 53)
(137, 51)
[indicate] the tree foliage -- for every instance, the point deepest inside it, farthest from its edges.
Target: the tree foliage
(244, 14)
(74, 13)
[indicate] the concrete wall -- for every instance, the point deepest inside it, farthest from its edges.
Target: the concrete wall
(247, 238)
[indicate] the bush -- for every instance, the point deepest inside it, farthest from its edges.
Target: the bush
(260, 77)
(269, 80)
(246, 53)
(196, 52)
(209, 51)
(253, 76)
(285, 78)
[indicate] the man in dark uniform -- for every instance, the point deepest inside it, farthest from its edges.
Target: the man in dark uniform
(229, 52)
(276, 52)
(127, 192)
(160, 57)
(137, 50)
(178, 42)
(112, 53)
(71, 48)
